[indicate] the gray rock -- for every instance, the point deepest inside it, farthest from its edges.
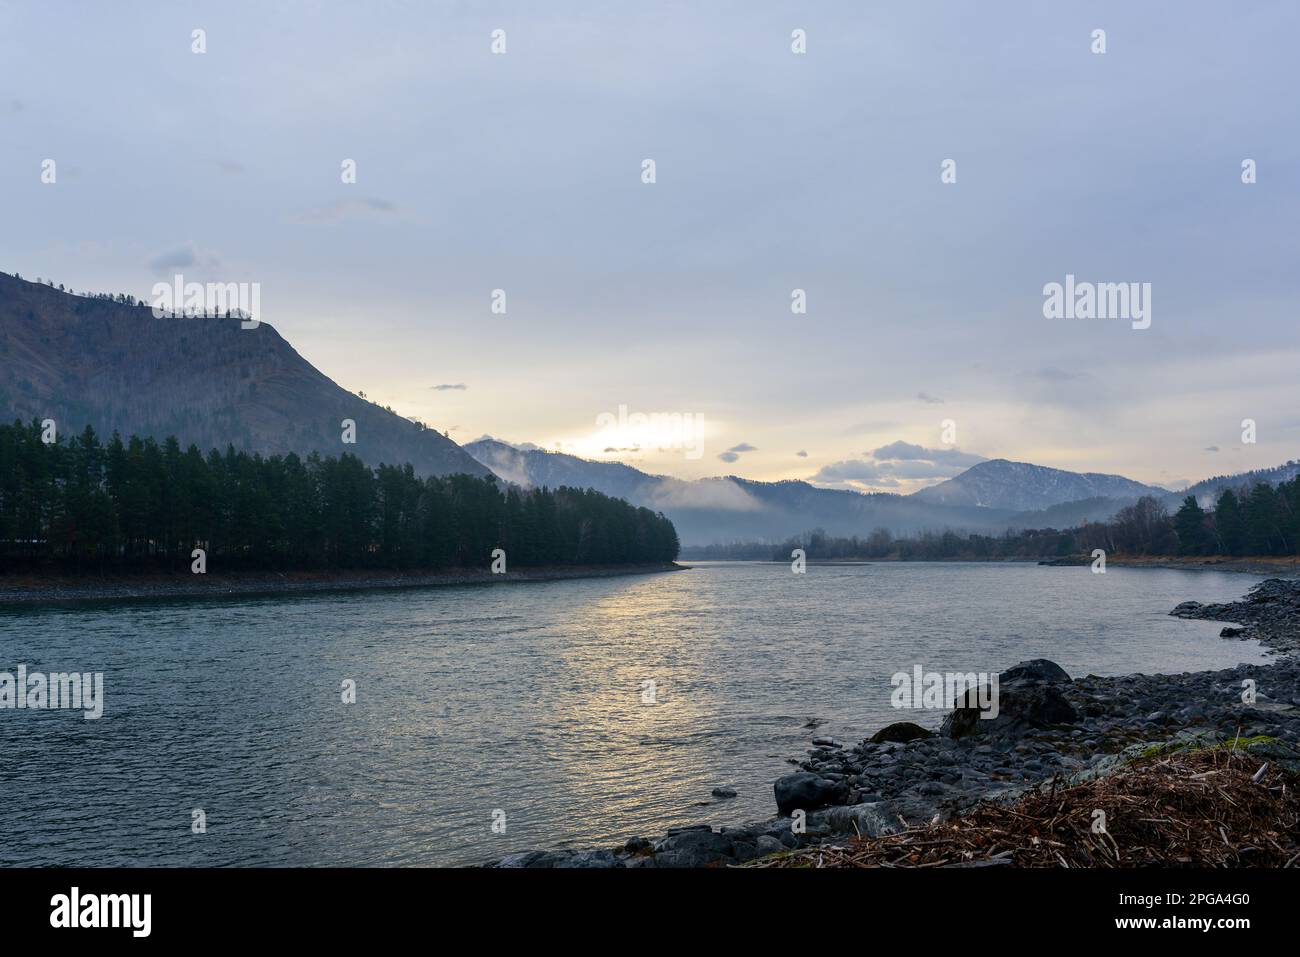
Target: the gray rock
(1021, 706)
(696, 848)
(867, 820)
(552, 859)
(807, 791)
(1034, 670)
(766, 844)
(901, 732)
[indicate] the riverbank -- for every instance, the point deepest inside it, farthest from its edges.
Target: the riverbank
(1209, 806)
(1051, 731)
(36, 590)
(1260, 565)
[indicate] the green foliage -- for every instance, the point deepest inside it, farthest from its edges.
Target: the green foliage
(81, 505)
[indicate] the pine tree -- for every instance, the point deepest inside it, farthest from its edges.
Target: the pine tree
(1190, 526)
(1228, 524)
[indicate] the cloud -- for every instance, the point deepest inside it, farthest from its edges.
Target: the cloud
(906, 451)
(854, 475)
(445, 387)
(898, 465)
(186, 256)
(230, 167)
(733, 453)
(721, 493)
(369, 207)
(929, 399)
(802, 453)
(853, 470)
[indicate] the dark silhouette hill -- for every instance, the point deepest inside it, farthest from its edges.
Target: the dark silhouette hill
(80, 360)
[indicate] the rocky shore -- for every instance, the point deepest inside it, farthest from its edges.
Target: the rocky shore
(1050, 728)
(37, 591)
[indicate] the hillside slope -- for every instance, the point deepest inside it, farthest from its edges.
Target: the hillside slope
(86, 361)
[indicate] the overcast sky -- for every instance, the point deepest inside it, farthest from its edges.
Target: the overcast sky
(775, 171)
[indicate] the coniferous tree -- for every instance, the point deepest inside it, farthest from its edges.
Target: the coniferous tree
(1229, 525)
(1190, 526)
(139, 504)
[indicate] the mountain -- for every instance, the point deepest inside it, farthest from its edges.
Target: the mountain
(989, 497)
(728, 508)
(82, 361)
(775, 511)
(537, 467)
(1019, 486)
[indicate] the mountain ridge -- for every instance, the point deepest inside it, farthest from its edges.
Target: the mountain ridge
(729, 508)
(115, 366)
(1023, 486)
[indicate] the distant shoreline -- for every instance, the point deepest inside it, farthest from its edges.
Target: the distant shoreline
(19, 590)
(1263, 565)
(1266, 566)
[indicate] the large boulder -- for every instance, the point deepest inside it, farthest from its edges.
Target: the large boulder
(900, 732)
(1029, 696)
(805, 790)
(1035, 669)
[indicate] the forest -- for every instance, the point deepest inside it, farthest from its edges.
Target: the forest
(87, 506)
(1254, 520)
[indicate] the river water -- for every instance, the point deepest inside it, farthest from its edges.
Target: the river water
(524, 705)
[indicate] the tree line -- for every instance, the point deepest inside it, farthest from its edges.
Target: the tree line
(1256, 520)
(127, 505)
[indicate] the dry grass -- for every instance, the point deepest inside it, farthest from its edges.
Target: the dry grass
(1192, 809)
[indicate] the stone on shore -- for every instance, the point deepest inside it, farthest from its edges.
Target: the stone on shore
(1035, 669)
(1029, 697)
(900, 732)
(806, 791)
